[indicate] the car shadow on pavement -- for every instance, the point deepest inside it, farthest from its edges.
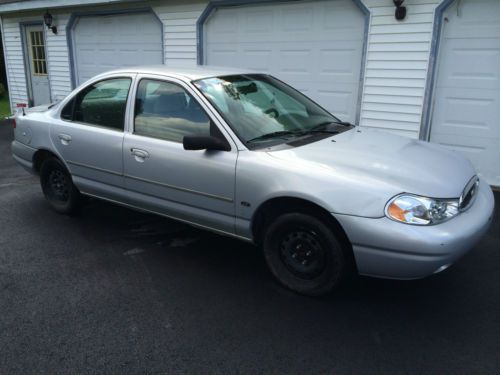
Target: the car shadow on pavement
(233, 262)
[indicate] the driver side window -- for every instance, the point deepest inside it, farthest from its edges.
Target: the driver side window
(166, 111)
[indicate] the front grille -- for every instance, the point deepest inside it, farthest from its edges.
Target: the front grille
(469, 193)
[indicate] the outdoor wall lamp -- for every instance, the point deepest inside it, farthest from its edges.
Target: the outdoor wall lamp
(400, 10)
(47, 19)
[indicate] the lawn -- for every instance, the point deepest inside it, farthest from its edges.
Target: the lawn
(4, 106)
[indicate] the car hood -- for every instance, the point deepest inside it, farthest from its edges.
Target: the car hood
(373, 166)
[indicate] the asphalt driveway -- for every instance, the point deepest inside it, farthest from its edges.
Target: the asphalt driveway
(116, 291)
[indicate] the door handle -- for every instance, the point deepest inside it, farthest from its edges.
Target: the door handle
(139, 154)
(65, 139)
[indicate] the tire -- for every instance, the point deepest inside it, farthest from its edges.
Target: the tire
(304, 254)
(58, 188)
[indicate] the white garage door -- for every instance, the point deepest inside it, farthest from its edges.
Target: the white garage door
(314, 46)
(466, 114)
(109, 42)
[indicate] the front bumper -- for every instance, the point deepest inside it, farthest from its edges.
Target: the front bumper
(389, 249)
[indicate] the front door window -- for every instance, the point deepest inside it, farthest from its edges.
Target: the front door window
(166, 111)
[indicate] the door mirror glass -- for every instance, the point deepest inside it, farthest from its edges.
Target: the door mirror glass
(192, 142)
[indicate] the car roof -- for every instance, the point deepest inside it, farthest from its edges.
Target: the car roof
(190, 73)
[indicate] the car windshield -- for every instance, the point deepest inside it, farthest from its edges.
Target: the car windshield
(263, 110)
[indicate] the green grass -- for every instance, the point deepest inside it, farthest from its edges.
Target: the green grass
(4, 106)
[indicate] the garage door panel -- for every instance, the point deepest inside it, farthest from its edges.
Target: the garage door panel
(479, 65)
(466, 109)
(296, 19)
(258, 21)
(314, 46)
(304, 64)
(472, 112)
(343, 99)
(473, 19)
(481, 152)
(104, 43)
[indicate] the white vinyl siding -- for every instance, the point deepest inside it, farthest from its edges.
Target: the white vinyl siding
(397, 60)
(179, 26)
(14, 58)
(397, 56)
(58, 58)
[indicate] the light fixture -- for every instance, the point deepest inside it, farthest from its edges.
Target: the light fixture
(400, 10)
(47, 19)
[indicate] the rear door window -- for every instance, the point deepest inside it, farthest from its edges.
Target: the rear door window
(102, 103)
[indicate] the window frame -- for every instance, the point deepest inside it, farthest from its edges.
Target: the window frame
(72, 99)
(36, 41)
(223, 136)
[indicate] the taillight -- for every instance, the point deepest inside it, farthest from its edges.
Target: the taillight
(13, 123)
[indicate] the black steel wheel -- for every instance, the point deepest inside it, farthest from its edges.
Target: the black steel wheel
(58, 188)
(304, 254)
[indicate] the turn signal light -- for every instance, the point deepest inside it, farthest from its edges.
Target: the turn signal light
(396, 212)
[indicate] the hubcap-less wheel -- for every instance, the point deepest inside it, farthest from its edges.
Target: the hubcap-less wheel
(58, 185)
(303, 254)
(58, 188)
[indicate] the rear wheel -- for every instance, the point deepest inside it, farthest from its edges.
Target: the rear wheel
(304, 254)
(58, 187)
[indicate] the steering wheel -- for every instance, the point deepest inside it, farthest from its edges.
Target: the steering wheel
(272, 112)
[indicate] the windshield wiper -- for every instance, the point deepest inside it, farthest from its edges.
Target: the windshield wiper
(325, 131)
(320, 128)
(277, 134)
(326, 123)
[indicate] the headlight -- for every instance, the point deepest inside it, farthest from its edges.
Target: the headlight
(412, 209)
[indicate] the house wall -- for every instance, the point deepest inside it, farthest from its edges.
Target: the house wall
(14, 60)
(396, 67)
(397, 56)
(179, 20)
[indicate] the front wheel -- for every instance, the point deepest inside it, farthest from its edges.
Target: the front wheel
(304, 254)
(58, 188)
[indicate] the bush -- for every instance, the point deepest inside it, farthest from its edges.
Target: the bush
(2, 90)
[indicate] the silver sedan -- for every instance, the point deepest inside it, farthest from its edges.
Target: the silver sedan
(245, 155)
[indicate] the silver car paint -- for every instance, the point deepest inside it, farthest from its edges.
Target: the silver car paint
(385, 248)
(352, 175)
(91, 152)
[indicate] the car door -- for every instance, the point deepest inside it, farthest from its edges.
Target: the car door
(89, 135)
(194, 186)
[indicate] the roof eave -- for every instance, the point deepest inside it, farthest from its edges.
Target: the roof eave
(11, 6)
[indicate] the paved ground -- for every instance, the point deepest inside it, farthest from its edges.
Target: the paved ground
(117, 291)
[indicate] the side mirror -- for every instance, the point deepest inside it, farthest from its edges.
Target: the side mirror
(193, 142)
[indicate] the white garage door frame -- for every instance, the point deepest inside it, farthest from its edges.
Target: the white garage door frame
(425, 126)
(214, 5)
(431, 91)
(73, 21)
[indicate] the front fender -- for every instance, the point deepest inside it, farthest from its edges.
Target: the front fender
(260, 178)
